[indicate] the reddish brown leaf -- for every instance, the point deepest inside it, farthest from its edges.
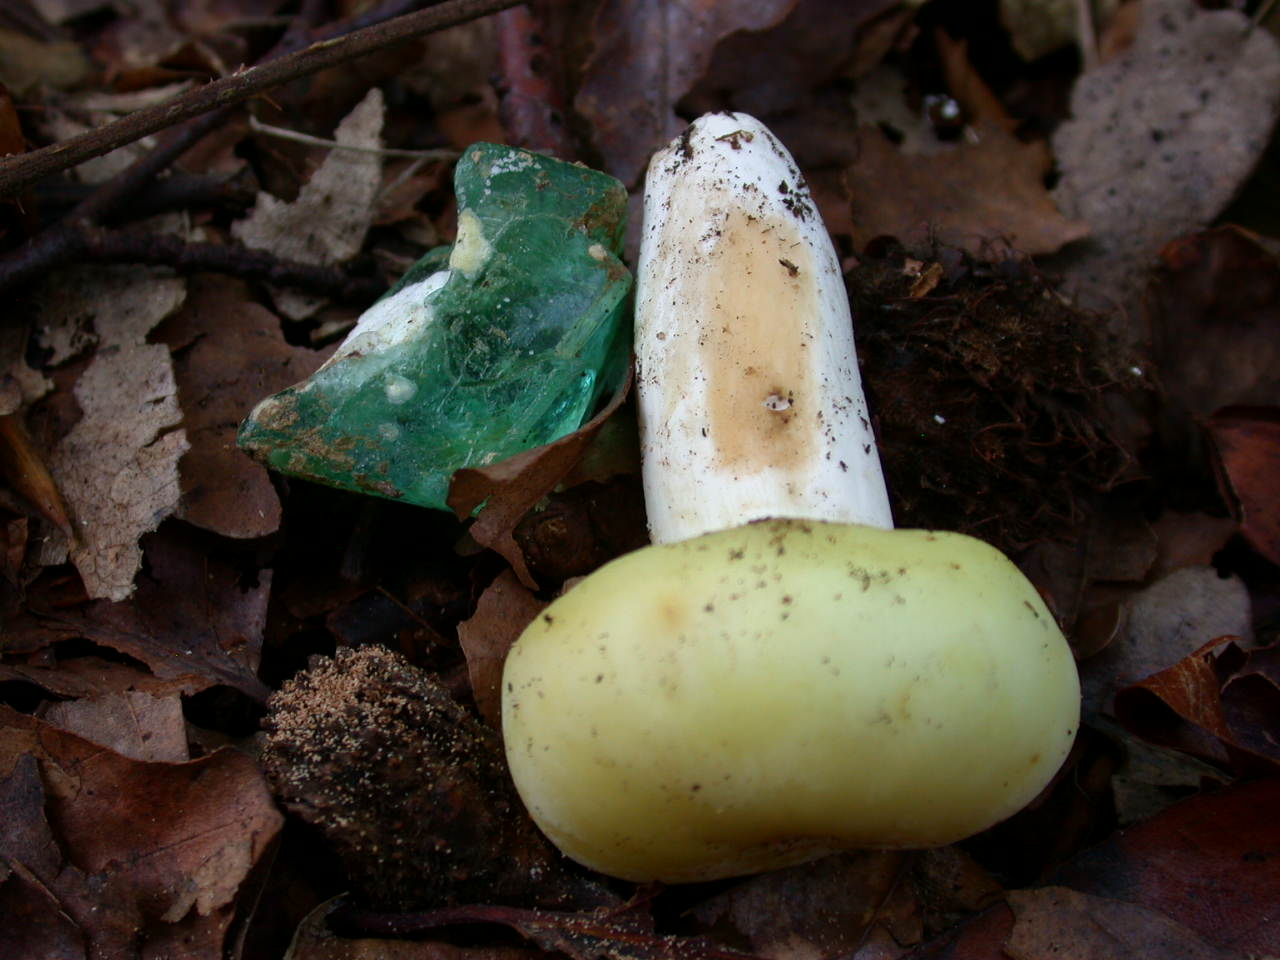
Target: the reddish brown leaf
(1220, 291)
(37, 923)
(1248, 444)
(510, 488)
(1209, 862)
(774, 71)
(824, 909)
(978, 101)
(230, 353)
(1189, 688)
(1164, 624)
(504, 610)
(533, 105)
(87, 677)
(648, 54)
(191, 620)
(1067, 925)
(1251, 702)
(157, 856)
(986, 198)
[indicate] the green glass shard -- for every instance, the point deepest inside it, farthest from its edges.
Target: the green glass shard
(501, 343)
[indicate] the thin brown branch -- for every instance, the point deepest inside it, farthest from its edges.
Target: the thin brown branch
(99, 245)
(20, 171)
(168, 250)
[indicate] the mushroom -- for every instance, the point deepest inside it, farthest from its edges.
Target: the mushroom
(782, 674)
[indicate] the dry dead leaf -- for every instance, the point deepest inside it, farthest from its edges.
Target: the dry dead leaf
(1219, 704)
(1248, 445)
(326, 224)
(90, 677)
(509, 489)
(142, 859)
(775, 70)
(117, 468)
(23, 468)
(1189, 539)
(229, 353)
(1219, 290)
(133, 724)
(1165, 623)
(12, 139)
(193, 620)
(1160, 139)
(1209, 862)
(82, 111)
(823, 909)
(987, 198)
(503, 611)
(648, 54)
(1063, 924)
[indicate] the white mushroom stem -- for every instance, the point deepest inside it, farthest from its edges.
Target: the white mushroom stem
(750, 401)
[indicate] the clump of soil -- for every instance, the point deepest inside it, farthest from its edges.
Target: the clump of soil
(990, 394)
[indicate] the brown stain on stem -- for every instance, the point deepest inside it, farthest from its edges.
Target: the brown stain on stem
(753, 278)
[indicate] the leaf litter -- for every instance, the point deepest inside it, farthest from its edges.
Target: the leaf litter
(1125, 458)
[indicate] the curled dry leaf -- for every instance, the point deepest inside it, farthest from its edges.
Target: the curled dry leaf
(505, 608)
(1163, 624)
(1220, 704)
(510, 488)
(138, 859)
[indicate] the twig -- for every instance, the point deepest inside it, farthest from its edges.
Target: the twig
(99, 245)
(256, 125)
(1086, 35)
(168, 250)
(18, 172)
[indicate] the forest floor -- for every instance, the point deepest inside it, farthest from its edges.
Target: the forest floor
(1059, 227)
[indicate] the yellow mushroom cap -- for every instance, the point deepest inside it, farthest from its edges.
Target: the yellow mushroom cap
(756, 697)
